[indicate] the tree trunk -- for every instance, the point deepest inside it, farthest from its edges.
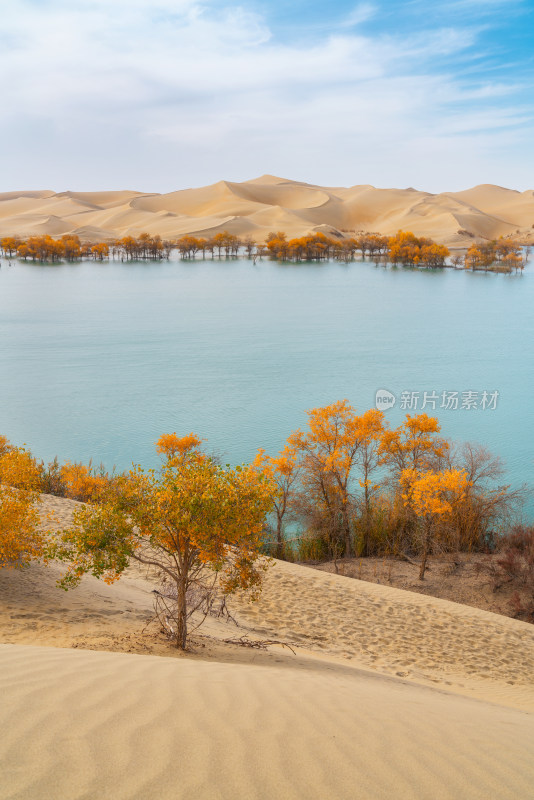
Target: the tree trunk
(279, 540)
(367, 526)
(426, 545)
(181, 615)
(348, 538)
(366, 535)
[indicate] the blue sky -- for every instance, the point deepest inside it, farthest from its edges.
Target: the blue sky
(158, 95)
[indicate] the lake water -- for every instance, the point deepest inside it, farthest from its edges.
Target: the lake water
(98, 360)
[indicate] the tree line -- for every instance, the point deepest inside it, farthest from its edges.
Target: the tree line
(353, 486)
(46, 248)
(128, 248)
(404, 248)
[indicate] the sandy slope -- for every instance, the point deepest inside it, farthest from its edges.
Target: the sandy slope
(256, 207)
(388, 694)
(81, 724)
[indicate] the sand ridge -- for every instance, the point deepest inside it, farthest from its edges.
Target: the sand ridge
(256, 207)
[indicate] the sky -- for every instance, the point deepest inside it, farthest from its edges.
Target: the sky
(159, 95)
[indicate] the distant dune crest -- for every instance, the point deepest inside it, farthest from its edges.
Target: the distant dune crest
(256, 207)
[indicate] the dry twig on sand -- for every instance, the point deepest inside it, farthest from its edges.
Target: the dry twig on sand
(258, 644)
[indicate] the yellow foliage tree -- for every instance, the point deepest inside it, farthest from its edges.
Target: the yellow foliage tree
(195, 522)
(283, 471)
(100, 251)
(370, 429)
(431, 495)
(414, 444)
(20, 537)
(406, 248)
(328, 453)
(9, 245)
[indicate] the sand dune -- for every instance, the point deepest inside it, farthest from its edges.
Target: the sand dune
(80, 724)
(389, 694)
(506, 204)
(255, 207)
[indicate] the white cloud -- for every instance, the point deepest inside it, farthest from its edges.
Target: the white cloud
(361, 13)
(172, 92)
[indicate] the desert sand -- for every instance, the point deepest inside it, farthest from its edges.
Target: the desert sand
(254, 208)
(387, 694)
(461, 577)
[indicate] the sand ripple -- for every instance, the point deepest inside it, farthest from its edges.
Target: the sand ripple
(81, 724)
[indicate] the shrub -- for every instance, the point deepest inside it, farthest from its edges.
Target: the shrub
(52, 481)
(513, 566)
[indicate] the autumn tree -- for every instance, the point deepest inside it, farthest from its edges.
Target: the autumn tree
(330, 475)
(369, 430)
(9, 245)
(361, 242)
(226, 241)
(72, 249)
(143, 244)
(41, 248)
(20, 537)
(431, 495)
(487, 507)
(503, 247)
(348, 248)
(509, 254)
(434, 255)
(207, 246)
(23, 251)
(373, 244)
(128, 247)
(277, 244)
(100, 251)
(198, 524)
(312, 247)
(473, 257)
(403, 248)
(513, 261)
(188, 246)
(482, 255)
(250, 245)
(327, 451)
(406, 248)
(415, 445)
(219, 241)
(283, 470)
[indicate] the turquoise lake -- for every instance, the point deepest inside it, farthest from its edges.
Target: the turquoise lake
(98, 360)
